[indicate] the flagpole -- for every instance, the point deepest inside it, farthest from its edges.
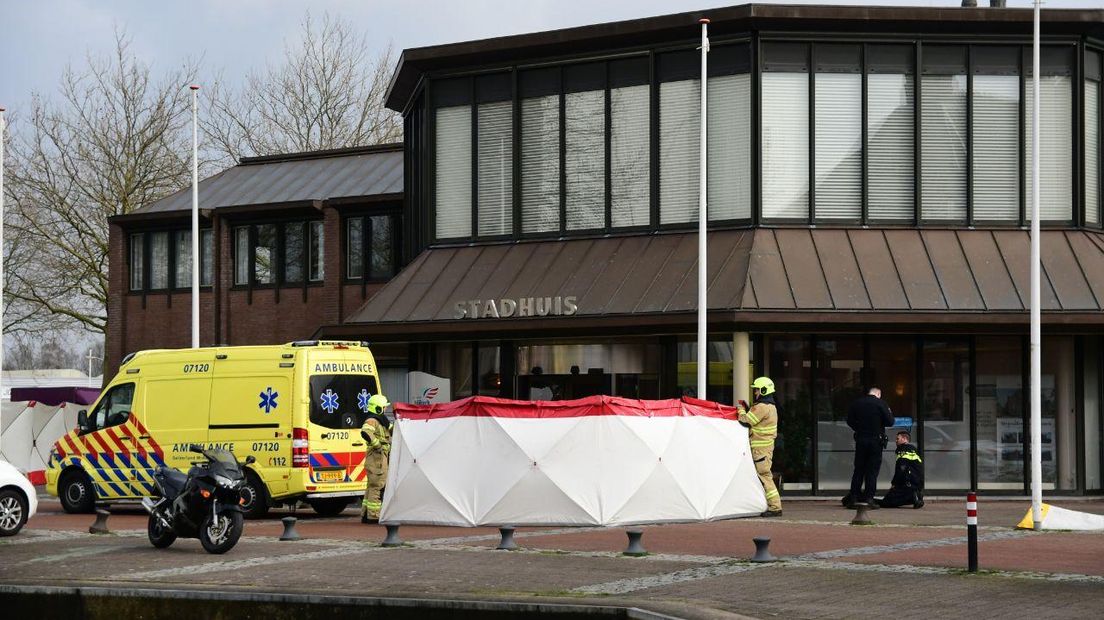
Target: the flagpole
(703, 219)
(1036, 327)
(3, 132)
(195, 215)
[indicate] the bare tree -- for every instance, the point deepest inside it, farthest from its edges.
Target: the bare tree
(116, 139)
(327, 93)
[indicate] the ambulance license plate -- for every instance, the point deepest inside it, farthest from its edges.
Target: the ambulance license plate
(330, 475)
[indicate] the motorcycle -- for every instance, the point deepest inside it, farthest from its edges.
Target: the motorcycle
(205, 503)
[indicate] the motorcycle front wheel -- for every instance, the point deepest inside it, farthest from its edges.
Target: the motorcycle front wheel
(220, 533)
(159, 535)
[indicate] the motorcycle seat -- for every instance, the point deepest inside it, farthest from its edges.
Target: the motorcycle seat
(173, 480)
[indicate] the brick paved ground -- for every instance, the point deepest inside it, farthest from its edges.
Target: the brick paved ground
(907, 566)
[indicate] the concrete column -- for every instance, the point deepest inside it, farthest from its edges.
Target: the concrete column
(741, 361)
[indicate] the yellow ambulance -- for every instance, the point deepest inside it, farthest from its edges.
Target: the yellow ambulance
(297, 408)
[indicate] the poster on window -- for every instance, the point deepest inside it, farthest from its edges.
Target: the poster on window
(1011, 437)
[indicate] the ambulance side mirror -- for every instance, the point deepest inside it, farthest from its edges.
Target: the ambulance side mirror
(82, 419)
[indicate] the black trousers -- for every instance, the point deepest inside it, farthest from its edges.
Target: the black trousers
(897, 497)
(868, 460)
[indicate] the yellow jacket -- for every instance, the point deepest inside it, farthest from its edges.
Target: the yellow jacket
(763, 420)
(377, 436)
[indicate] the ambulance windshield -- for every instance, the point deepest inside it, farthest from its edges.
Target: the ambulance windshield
(340, 401)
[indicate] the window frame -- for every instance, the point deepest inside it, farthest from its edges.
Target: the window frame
(146, 235)
(279, 277)
(755, 40)
(365, 217)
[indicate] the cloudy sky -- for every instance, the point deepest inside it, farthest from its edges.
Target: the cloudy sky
(42, 36)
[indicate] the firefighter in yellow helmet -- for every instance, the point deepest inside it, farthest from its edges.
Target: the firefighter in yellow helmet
(762, 419)
(376, 432)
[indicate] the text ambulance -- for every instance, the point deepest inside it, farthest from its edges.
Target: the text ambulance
(296, 408)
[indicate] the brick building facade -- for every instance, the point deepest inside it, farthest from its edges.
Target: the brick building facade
(254, 301)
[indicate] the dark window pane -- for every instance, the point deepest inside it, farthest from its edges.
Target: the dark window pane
(159, 260)
(264, 257)
(183, 259)
(336, 400)
(137, 261)
(946, 414)
(294, 249)
(354, 259)
(317, 251)
(790, 369)
(382, 249)
(839, 366)
(1000, 398)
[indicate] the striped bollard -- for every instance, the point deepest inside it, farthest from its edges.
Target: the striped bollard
(971, 530)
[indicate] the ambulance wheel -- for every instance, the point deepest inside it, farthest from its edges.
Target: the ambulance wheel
(255, 495)
(330, 507)
(159, 535)
(76, 493)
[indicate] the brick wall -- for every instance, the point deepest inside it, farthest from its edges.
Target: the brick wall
(228, 315)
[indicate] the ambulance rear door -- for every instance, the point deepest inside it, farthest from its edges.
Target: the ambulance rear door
(338, 408)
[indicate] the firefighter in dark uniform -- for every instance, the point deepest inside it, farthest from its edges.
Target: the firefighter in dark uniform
(907, 488)
(868, 417)
(376, 432)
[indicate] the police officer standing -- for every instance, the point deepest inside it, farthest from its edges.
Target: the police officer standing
(376, 432)
(762, 419)
(868, 417)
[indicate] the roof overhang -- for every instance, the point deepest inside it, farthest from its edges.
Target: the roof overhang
(899, 280)
(648, 31)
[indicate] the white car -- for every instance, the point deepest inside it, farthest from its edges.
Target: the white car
(18, 500)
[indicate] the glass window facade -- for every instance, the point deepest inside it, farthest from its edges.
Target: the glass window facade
(285, 253)
(849, 132)
(890, 140)
(137, 261)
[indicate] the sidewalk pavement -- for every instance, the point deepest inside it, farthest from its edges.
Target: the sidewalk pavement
(909, 565)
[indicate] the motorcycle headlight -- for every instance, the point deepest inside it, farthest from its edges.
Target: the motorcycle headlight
(223, 481)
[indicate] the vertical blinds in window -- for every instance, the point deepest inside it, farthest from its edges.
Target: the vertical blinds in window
(183, 259)
(540, 164)
(159, 260)
(453, 192)
(137, 261)
(585, 153)
(679, 129)
(206, 257)
(785, 145)
(1055, 154)
(1092, 152)
(890, 160)
(629, 156)
(943, 147)
(496, 165)
(996, 179)
(241, 255)
(838, 146)
(729, 147)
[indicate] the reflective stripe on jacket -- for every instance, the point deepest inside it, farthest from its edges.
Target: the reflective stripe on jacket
(377, 436)
(763, 420)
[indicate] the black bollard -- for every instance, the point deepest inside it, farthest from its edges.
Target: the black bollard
(635, 549)
(392, 539)
(507, 543)
(761, 552)
(289, 529)
(971, 532)
(100, 525)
